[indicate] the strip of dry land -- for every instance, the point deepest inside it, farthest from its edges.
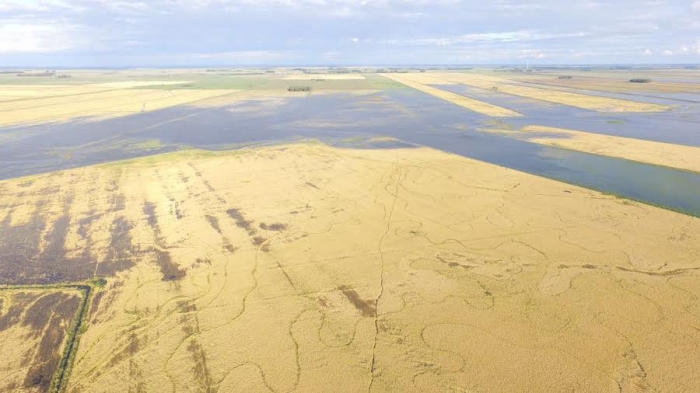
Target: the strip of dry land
(485, 108)
(280, 268)
(657, 153)
(40, 104)
(585, 101)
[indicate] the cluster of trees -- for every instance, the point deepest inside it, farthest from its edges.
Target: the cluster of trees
(640, 80)
(299, 88)
(566, 77)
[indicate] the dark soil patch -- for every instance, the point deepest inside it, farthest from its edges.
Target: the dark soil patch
(200, 369)
(149, 209)
(49, 317)
(55, 239)
(96, 299)
(213, 222)
(85, 223)
(39, 313)
(19, 249)
(119, 203)
(229, 247)
(241, 222)
(273, 227)
(47, 358)
(121, 252)
(367, 308)
(170, 270)
(12, 316)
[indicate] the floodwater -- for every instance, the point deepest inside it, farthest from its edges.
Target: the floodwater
(350, 120)
(680, 126)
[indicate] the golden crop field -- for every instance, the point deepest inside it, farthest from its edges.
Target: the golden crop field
(658, 153)
(585, 101)
(34, 326)
(419, 82)
(304, 267)
(58, 103)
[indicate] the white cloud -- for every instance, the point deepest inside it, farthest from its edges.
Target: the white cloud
(423, 30)
(244, 57)
(668, 53)
(20, 37)
(489, 37)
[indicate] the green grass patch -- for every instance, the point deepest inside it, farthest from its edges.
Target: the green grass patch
(500, 124)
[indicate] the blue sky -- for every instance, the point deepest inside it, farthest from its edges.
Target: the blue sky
(65, 33)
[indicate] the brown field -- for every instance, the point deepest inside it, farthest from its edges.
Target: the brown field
(33, 329)
(657, 153)
(585, 101)
(40, 104)
(420, 81)
(310, 268)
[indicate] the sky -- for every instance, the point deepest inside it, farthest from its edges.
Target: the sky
(153, 33)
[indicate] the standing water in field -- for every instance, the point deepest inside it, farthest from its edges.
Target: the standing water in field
(404, 114)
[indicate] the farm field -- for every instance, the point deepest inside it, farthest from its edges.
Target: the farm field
(34, 331)
(52, 104)
(225, 281)
(585, 101)
(465, 102)
(306, 77)
(666, 154)
(210, 230)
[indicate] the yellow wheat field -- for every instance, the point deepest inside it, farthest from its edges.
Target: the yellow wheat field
(309, 268)
(412, 80)
(34, 326)
(658, 153)
(54, 105)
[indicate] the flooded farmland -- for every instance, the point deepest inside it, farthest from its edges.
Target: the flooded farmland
(278, 239)
(406, 115)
